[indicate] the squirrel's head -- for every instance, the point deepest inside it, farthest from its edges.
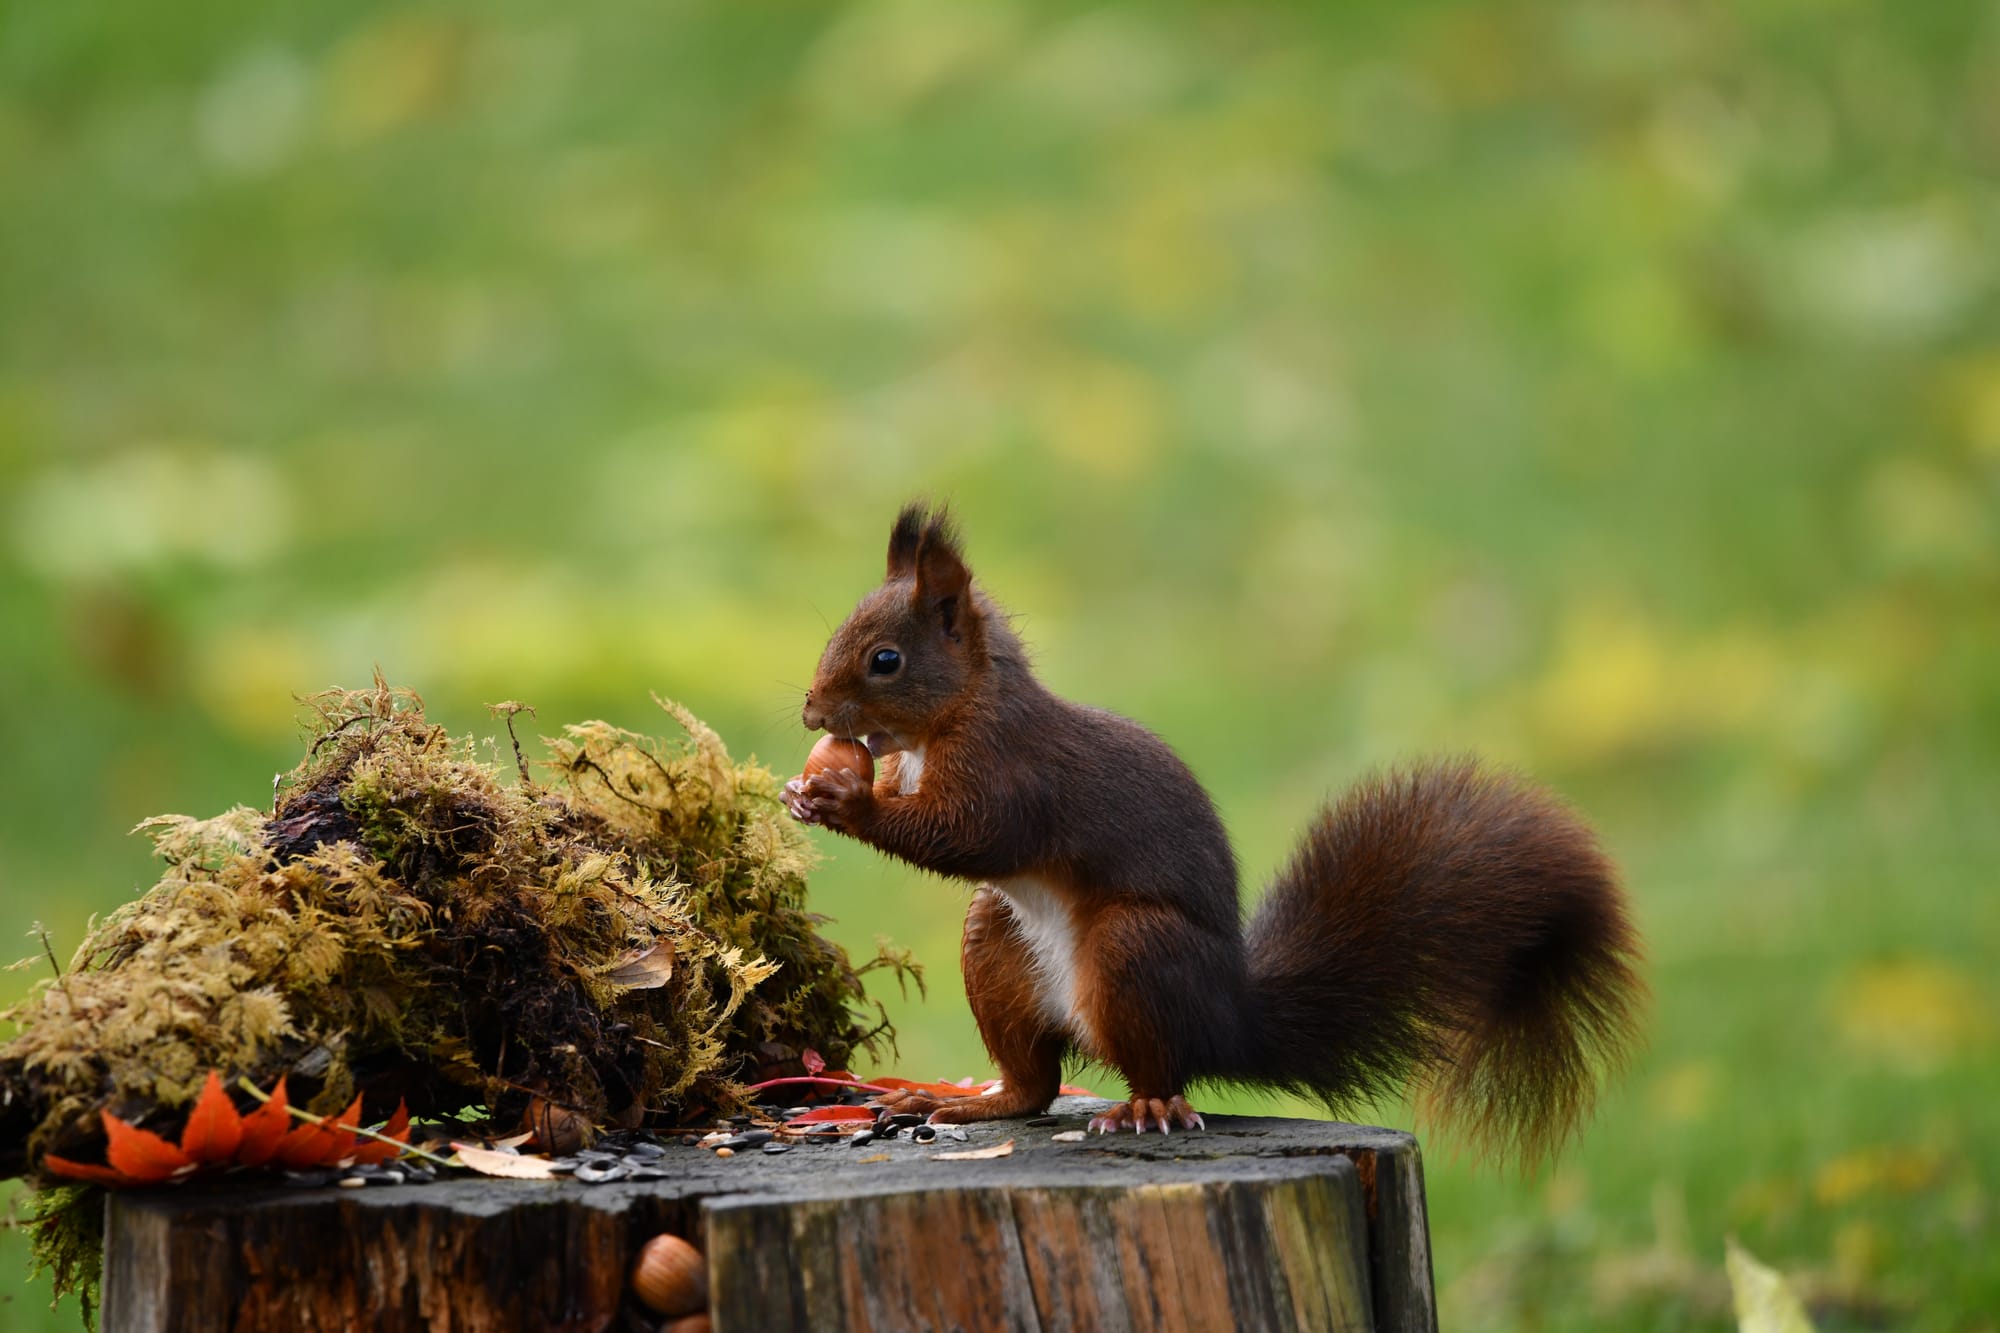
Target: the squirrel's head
(910, 648)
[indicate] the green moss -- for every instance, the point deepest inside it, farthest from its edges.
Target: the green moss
(65, 1225)
(407, 922)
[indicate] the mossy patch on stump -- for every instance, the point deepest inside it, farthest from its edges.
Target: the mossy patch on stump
(625, 936)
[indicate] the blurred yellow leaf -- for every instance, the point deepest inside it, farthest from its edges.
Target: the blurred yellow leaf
(881, 56)
(1608, 687)
(247, 677)
(1858, 1250)
(1684, 1093)
(1924, 517)
(1869, 1170)
(1103, 416)
(1913, 1014)
(391, 72)
(1765, 1303)
(1621, 682)
(1969, 392)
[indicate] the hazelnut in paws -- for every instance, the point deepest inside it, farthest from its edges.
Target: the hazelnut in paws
(837, 781)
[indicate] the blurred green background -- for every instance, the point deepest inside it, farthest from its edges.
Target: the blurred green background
(1613, 388)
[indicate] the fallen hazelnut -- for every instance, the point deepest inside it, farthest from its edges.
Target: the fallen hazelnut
(670, 1277)
(556, 1129)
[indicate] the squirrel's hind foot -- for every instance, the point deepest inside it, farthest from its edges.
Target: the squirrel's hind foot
(1144, 1113)
(904, 1101)
(1001, 1104)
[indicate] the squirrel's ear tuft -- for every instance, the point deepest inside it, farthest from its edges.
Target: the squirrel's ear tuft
(904, 538)
(944, 584)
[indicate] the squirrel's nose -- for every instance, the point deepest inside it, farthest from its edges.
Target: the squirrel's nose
(811, 715)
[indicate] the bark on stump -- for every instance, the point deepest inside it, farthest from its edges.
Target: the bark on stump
(1256, 1224)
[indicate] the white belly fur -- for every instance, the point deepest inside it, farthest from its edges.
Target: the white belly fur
(1043, 918)
(909, 771)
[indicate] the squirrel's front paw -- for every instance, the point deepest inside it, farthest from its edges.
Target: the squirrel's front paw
(836, 798)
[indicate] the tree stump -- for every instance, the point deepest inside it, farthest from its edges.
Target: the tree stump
(1256, 1223)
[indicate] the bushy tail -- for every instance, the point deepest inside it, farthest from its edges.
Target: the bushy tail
(1457, 929)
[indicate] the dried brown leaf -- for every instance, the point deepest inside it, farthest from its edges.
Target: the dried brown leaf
(489, 1163)
(976, 1154)
(647, 970)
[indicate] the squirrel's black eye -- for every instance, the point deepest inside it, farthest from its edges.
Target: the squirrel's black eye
(884, 662)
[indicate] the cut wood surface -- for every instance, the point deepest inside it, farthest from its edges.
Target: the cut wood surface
(1256, 1223)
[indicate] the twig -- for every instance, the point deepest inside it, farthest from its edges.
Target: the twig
(298, 1114)
(507, 710)
(583, 761)
(42, 933)
(852, 1084)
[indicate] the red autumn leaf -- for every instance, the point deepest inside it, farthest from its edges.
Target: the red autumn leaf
(813, 1061)
(98, 1175)
(214, 1129)
(1069, 1090)
(372, 1151)
(934, 1089)
(263, 1128)
(327, 1143)
(140, 1155)
(832, 1078)
(834, 1114)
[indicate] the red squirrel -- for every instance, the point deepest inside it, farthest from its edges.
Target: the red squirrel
(1442, 925)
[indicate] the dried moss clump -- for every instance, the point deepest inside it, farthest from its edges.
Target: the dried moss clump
(628, 939)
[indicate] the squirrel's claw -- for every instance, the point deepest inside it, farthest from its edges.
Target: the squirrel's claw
(1144, 1113)
(797, 803)
(830, 799)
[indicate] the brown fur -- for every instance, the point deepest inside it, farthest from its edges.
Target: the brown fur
(1443, 925)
